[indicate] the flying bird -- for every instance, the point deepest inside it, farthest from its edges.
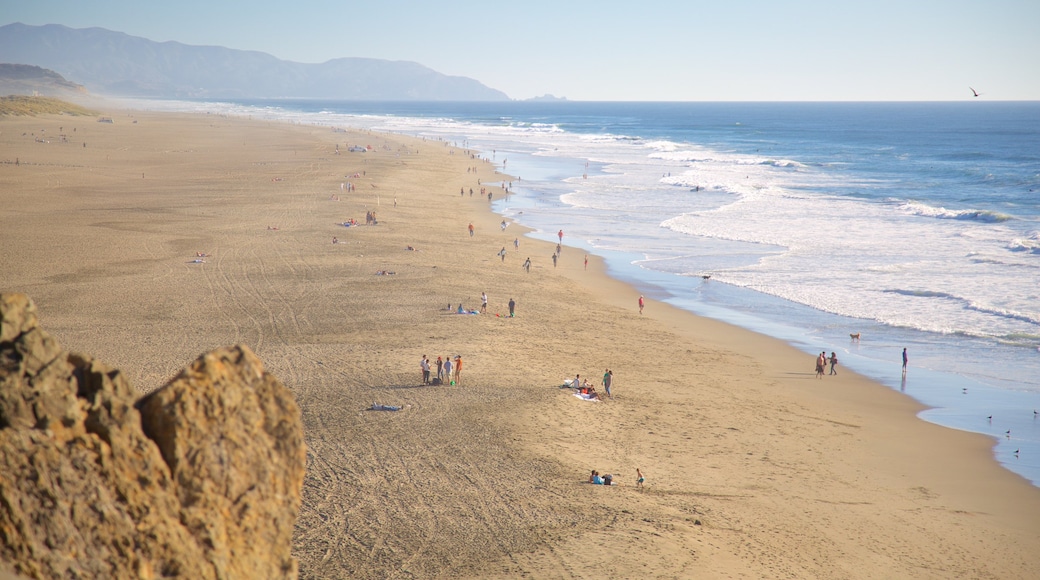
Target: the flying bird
(974, 93)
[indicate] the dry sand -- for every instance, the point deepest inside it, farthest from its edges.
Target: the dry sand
(755, 469)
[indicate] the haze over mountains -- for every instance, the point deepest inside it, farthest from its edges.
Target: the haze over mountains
(117, 64)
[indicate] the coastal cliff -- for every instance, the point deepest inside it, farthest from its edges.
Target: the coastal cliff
(201, 478)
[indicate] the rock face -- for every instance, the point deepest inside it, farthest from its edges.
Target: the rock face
(199, 479)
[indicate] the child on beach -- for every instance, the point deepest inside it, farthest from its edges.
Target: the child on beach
(639, 478)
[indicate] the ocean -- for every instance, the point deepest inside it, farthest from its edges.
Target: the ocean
(916, 225)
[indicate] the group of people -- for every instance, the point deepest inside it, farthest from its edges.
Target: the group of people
(483, 306)
(607, 479)
(583, 387)
(821, 364)
(448, 369)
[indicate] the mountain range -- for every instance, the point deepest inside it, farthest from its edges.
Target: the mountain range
(117, 64)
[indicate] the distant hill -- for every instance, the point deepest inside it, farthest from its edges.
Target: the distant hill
(22, 79)
(116, 64)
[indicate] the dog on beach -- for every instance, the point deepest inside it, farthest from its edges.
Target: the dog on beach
(854, 337)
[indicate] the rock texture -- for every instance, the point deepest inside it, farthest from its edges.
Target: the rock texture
(199, 479)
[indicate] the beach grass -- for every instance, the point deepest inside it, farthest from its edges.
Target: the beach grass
(25, 105)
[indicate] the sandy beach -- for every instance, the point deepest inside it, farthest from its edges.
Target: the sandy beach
(156, 237)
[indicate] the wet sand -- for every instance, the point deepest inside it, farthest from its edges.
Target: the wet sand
(754, 468)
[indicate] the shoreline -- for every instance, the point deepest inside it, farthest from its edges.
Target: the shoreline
(753, 466)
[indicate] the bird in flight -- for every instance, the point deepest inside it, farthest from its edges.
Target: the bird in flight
(974, 93)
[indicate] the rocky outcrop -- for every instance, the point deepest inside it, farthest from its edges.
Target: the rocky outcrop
(199, 479)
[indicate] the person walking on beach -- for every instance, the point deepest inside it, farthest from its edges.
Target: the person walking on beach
(639, 478)
(821, 362)
(834, 363)
(527, 265)
(608, 378)
(586, 261)
(458, 369)
(502, 253)
(512, 307)
(555, 257)
(641, 303)
(904, 361)
(471, 230)
(447, 369)
(559, 234)
(516, 243)
(483, 303)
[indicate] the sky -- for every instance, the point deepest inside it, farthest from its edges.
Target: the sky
(639, 50)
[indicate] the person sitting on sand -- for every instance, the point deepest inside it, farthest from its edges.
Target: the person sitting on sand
(335, 240)
(608, 479)
(595, 479)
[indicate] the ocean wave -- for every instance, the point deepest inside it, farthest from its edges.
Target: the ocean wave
(981, 215)
(781, 163)
(1020, 339)
(968, 304)
(1030, 244)
(923, 294)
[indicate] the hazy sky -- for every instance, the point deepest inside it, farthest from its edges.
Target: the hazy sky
(680, 50)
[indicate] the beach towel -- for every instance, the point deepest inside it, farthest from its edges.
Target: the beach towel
(586, 397)
(377, 407)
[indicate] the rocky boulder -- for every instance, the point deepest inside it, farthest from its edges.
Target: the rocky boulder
(199, 479)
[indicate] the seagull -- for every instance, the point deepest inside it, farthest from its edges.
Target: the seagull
(990, 417)
(1008, 433)
(974, 93)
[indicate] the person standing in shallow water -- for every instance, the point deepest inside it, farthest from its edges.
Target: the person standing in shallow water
(904, 361)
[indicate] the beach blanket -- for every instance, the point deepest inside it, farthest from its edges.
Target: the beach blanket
(586, 397)
(376, 407)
